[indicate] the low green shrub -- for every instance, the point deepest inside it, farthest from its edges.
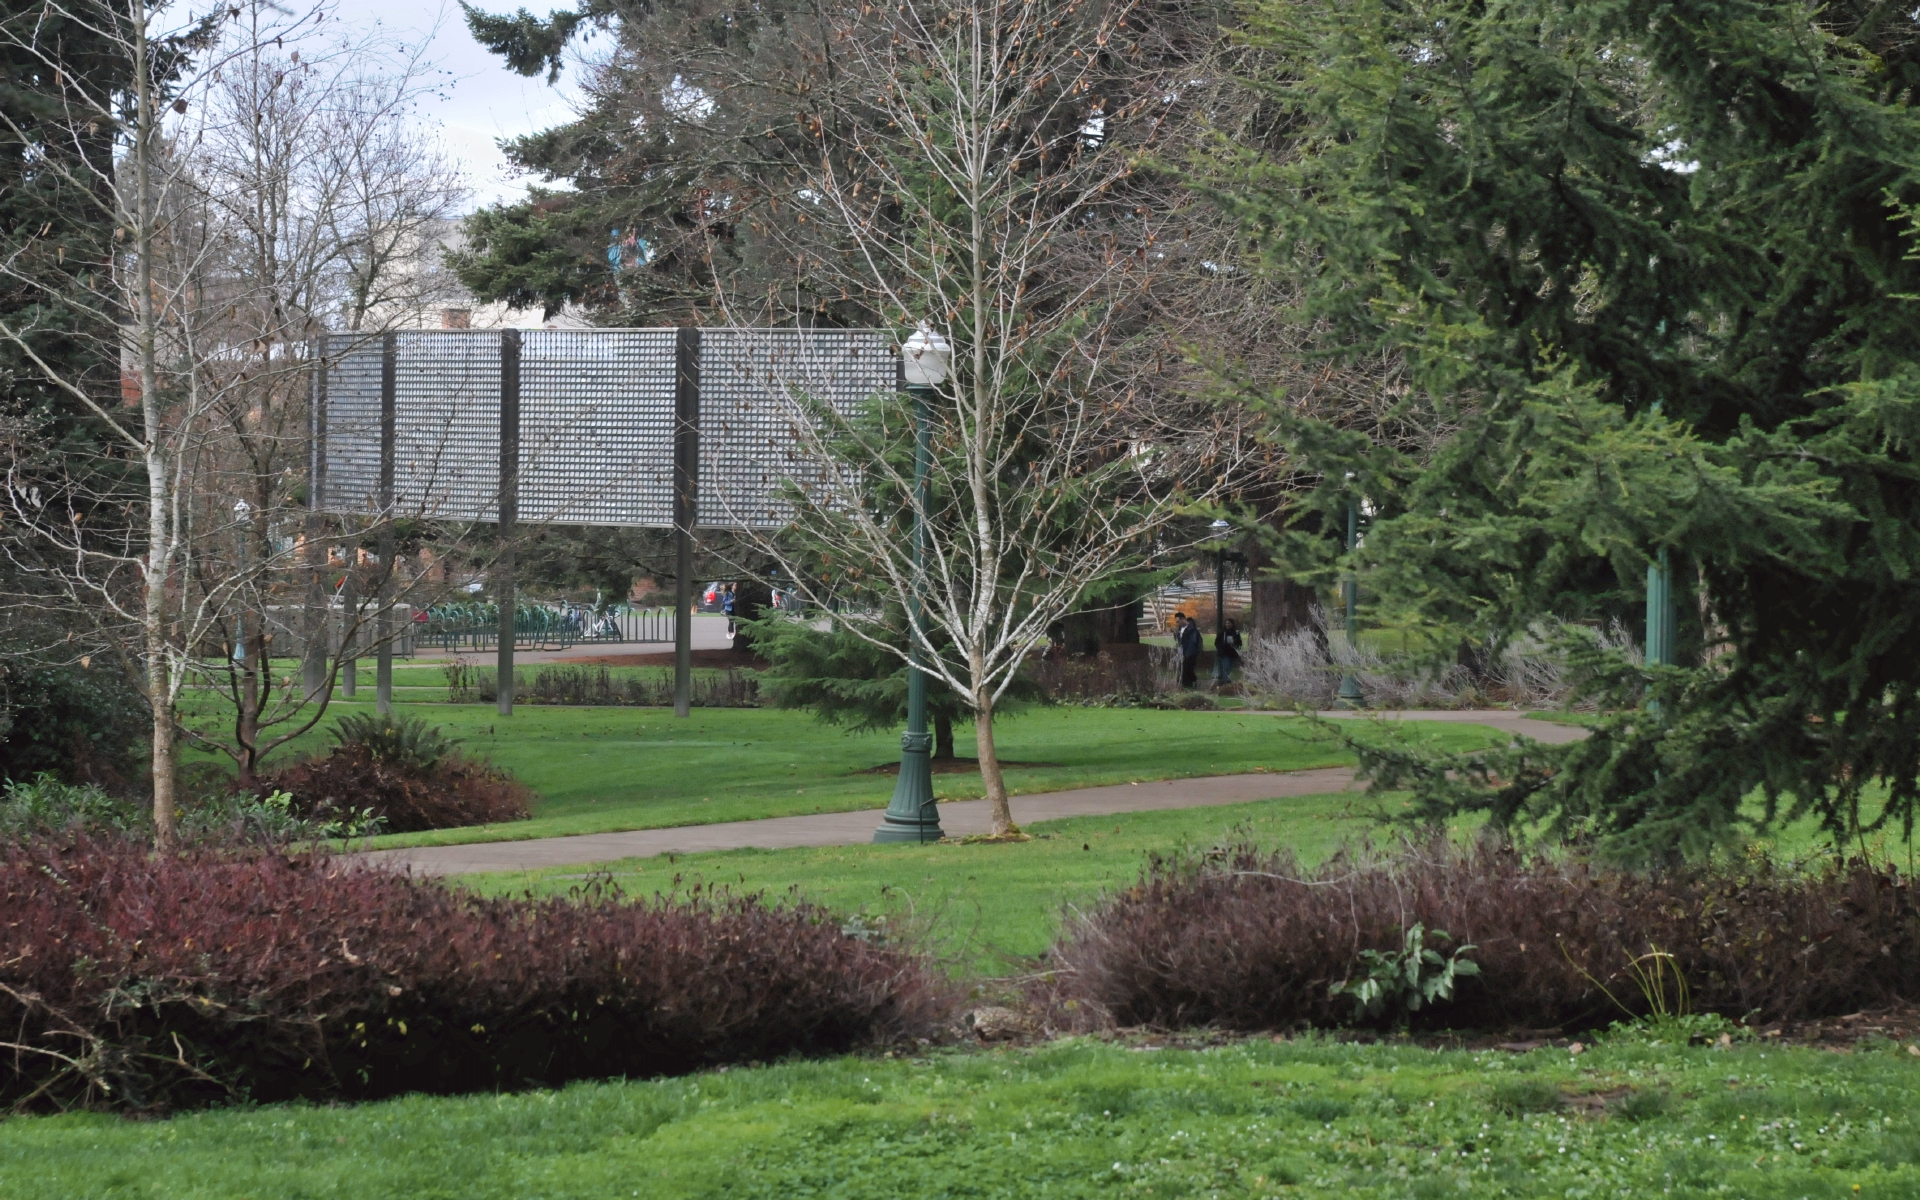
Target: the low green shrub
(80, 724)
(44, 804)
(1398, 983)
(405, 742)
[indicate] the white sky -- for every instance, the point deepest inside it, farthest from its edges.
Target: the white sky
(482, 101)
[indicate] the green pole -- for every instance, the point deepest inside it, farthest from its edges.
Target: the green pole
(1661, 617)
(1660, 614)
(1350, 695)
(912, 815)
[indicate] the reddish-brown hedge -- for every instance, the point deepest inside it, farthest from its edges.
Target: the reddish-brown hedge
(145, 981)
(454, 792)
(1246, 939)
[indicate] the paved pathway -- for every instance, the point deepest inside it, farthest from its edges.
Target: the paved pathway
(958, 818)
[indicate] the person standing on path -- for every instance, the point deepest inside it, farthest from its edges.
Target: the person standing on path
(727, 596)
(1226, 653)
(1186, 638)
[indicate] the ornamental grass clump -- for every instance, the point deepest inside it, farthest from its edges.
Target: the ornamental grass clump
(402, 774)
(1245, 938)
(149, 982)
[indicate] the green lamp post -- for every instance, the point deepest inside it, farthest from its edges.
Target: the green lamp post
(1661, 614)
(912, 815)
(1350, 695)
(1661, 618)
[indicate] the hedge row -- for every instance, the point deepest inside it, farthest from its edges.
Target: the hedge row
(149, 982)
(1246, 939)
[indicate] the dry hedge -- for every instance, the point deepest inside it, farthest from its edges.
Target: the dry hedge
(148, 982)
(1243, 938)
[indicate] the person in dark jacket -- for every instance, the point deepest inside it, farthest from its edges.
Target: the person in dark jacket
(1226, 653)
(1186, 637)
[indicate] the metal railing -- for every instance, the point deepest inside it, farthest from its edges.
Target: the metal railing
(454, 627)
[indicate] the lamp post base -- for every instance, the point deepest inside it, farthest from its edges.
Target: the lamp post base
(1350, 695)
(912, 815)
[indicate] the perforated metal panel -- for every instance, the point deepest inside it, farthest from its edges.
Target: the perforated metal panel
(353, 427)
(749, 383)
(596, 421)
(446, 429)
(596, 427)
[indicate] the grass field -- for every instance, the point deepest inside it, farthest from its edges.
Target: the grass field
(600, 769)
(981, 908)
(1072, 1119)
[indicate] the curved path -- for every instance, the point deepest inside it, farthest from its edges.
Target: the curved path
(958, 818)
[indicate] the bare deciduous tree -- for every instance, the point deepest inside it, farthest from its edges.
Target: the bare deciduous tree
(978, 184)
(257, 195)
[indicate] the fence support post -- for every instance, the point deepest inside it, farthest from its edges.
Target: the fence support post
(503, 582)
(317, 649)
(686, 499)
(383, 654)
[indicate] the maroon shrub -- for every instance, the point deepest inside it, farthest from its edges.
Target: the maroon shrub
(1246, 939)
(149, 981)
(453, 792)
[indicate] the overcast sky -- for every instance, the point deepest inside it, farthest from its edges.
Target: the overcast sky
(482, 100)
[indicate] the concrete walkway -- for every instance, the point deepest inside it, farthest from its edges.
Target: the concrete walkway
(959, 818)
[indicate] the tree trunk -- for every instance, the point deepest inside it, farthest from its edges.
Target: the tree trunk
(164, 806)
(990, 774)
(158, 465)
(1120, 623)
(1279, 606)
(247, 727)
(942, 735)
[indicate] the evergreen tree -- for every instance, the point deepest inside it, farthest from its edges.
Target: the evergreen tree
(1651, 269)
(679, 174)
(846, 680)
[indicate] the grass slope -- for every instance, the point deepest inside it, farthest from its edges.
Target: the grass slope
(1071, 1119)
(981, 907)
(601, 769)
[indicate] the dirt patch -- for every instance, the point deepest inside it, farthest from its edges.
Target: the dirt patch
(722, 659)
(957, 766)
(1899, 1024)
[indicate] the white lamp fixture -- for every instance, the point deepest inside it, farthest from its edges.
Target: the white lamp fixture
(925, 357)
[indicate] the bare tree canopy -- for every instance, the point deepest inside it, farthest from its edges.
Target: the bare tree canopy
(260, 191)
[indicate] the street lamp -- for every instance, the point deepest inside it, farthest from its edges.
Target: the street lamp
(1350, 695)
(242, 513)
(912, 815)
(1219, 529)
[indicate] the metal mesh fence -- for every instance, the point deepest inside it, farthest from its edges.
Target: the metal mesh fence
(750, 383)
(596, 427)
(352, 428)
(596, 421)
(446, 429)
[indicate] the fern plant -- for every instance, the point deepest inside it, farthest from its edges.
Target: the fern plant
(407, 743)
(1402, 982)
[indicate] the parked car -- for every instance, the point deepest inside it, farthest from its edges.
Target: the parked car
(713, 599)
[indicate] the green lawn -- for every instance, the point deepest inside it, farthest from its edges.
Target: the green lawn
(980, 907)
(1071, 1119)
(600, 769)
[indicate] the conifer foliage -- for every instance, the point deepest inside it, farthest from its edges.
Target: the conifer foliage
(1651, 267)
